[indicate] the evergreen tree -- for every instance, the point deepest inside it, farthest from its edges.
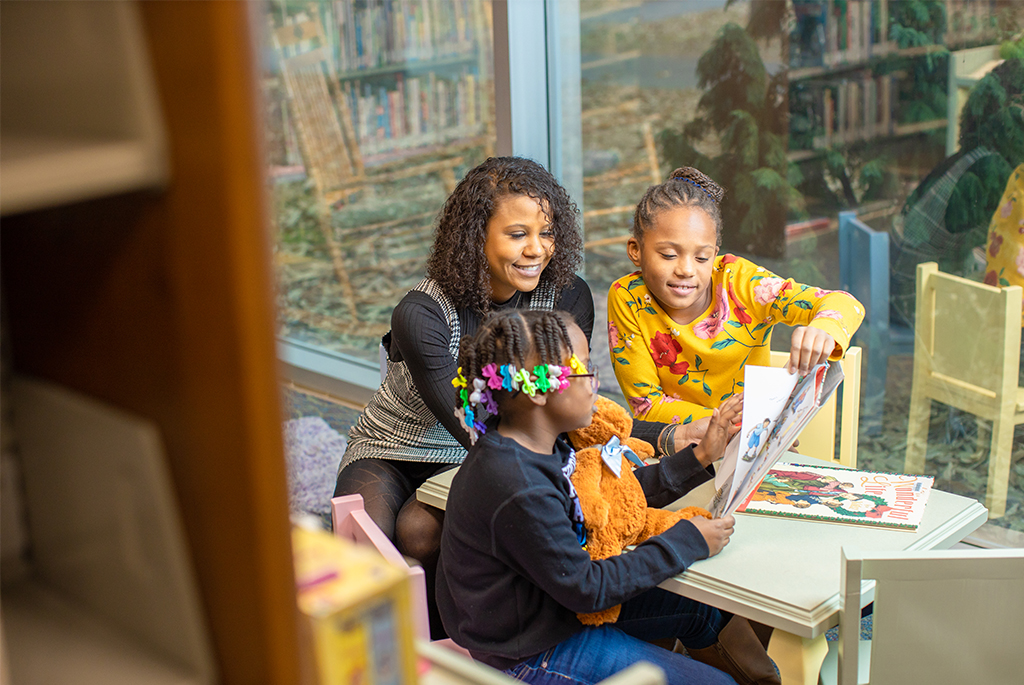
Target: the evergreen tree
(746, 108)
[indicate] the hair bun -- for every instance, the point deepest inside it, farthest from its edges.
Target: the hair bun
(688, 174)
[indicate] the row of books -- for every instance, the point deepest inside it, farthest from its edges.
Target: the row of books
(970, 21)
(416, 111)
(852, 109)
(827, 33)
(364, 34)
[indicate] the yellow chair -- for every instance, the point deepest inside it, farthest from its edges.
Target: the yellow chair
(966, 355)
(818, 438)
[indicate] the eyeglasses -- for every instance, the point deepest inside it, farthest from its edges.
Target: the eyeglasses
(595, 380)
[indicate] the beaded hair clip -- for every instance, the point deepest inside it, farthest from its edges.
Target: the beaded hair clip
(696, 184)
(478, 393)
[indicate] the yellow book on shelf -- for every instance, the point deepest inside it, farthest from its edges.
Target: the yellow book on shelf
(357, 608)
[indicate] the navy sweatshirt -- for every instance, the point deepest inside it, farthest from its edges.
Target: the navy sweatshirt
(512, 576)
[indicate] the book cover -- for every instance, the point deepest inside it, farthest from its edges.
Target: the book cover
(841, 495)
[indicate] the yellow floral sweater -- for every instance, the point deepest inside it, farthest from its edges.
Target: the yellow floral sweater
(1005, 249)
(677, 373)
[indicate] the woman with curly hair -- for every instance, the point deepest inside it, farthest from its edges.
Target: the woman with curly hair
(506, 238)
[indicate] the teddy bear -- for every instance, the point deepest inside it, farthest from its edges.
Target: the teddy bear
(615, 511)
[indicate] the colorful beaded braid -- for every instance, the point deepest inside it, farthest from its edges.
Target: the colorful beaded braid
(544, 378)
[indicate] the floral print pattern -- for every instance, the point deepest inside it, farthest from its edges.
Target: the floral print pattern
(1004, 252)
(674, 372)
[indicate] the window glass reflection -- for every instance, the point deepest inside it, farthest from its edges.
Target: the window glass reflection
(907, 113)
(375, 108)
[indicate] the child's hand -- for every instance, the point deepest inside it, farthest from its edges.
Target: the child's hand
(716, 532)
(690, 433)
(809, 347)
(725, 422)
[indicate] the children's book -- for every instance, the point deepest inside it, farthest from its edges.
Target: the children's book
(827, 493)
(776, 407)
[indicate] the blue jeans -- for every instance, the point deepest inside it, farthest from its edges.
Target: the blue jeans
(596, 653)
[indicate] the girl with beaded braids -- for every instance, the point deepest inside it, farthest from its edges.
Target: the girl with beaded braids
(513, 573)
(684, 325)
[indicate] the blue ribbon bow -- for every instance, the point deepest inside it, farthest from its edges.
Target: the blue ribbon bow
(613, 449)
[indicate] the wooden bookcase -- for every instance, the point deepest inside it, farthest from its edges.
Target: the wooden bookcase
(157, 301)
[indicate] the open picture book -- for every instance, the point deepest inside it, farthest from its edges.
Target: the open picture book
(841, 495)
(776, 407)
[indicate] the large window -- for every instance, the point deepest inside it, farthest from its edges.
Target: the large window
(375, 109)
(905, 113)
(901, 111)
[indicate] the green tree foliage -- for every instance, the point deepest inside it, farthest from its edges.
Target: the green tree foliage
(746, 108)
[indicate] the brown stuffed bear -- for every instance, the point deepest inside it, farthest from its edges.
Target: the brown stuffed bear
(615, 510)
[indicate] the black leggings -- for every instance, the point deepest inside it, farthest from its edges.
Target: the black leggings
(388, 487)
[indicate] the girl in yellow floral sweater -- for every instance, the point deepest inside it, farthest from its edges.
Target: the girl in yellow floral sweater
(682, 328)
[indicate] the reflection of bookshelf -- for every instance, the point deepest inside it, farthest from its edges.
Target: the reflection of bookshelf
(413, 78)
(837, 94)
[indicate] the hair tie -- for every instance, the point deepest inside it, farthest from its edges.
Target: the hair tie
(561, 381)
(696, 184)
(459, 381)
(508, 377)
(543, 382)
(525, 382)
(576, 365)
(492, 375)
(487, 400)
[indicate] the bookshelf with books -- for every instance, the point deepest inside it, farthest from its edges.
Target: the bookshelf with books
(847, 84)
(411, 77)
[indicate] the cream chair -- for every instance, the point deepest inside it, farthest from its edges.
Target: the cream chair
(953, 616)
(818, 438)
(966, 355)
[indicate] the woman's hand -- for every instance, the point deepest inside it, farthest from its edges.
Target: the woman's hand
(810, 346)
(725, 422)
(716, 532)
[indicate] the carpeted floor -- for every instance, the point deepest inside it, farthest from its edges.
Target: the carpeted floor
(298, 404)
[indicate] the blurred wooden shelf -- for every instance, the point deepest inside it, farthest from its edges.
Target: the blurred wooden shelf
(81, 117)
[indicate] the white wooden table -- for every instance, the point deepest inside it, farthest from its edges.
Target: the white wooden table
(785, 572)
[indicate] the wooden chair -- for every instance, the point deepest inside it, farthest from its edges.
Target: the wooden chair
(864, 273)
(952, 616)
(966, 355)
(818, 438)
(350, 521)
(327, 139)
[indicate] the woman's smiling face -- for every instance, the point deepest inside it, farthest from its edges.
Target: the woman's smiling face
(676, 259)
(520, 242)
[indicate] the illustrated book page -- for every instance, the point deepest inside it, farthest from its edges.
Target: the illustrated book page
(776, 407)
(826, 493)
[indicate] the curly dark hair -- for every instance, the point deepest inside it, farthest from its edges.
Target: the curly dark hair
(685, 187)
(512, 335)
(457, 260)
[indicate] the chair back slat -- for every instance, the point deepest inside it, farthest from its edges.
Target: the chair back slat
(951, 616)
(964, 330)
(320, 132)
